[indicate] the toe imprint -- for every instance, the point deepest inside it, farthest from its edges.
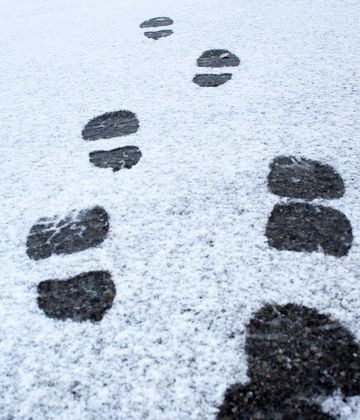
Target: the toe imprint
(156, 22)
(218, 58)
(111, 124)
(304, 178)
(158, 34)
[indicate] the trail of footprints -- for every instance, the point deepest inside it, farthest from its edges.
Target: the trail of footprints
(88, 295)
(216, 58)
(84, 297)
(295, 355)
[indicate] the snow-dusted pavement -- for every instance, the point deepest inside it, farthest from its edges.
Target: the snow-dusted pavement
(186, 245)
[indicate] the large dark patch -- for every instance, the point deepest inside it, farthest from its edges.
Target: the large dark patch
(253, 401)
(294, 355)
(156, 22)
(211, 80)
(75, 232)
(304, 227)
(302, 351)
(111, 124)
(218, 58)
(304, 178)
(81, 298)
(158, 34)
(123, 157)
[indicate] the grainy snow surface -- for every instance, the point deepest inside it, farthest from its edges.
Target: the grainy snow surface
(186, 247)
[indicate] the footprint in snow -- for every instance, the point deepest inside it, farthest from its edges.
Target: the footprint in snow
(88, 295)
(107, 126)
(155, 23)
(295, 356)
(301, 226)
(215, 59)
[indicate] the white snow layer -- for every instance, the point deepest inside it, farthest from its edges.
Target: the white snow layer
(186, 247)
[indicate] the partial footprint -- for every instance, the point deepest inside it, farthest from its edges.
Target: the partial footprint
(215, 59)
(123, 157)
(294, 356)
(304, 178)
(252, 402)
(107, 126)
(305, 227)
(88, 295)
(218, 58)
(155, 23)
(212, 80)
(111, 124)
(302, 226)
(74, 233)
(81, 298)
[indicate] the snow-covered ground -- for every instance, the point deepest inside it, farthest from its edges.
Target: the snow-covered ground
(186, 246)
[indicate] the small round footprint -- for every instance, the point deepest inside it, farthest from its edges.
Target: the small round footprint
(155, 23)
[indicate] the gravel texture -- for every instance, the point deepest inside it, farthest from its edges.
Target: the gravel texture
(211, 80)
(81, 298)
